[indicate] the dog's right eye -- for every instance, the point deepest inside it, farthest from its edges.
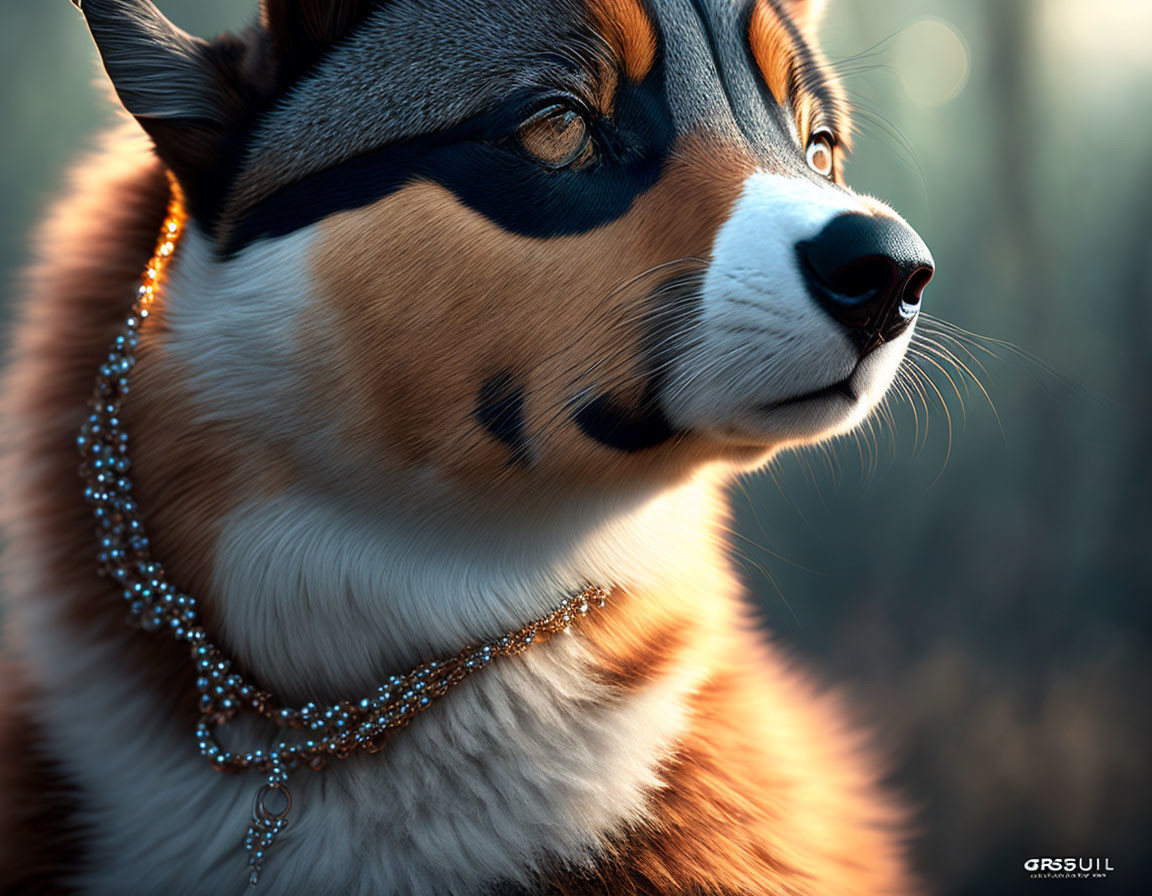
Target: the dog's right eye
(558, 137)
(821, 153)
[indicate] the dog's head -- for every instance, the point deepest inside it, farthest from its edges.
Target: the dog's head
(520, 242)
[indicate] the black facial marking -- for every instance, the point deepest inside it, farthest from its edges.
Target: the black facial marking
(629, 429)
(484, 166)
(642, 425)
(256, 70)
(500, 410)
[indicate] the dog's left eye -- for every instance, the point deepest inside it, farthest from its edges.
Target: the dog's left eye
(821, 153)
(558, 137)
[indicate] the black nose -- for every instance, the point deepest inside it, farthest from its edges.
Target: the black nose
(868, 272)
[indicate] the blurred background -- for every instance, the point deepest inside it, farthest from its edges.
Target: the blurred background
(975, 570)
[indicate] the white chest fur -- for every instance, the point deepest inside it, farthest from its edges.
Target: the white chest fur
(527, 763)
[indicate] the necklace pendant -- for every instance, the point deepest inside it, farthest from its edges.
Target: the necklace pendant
(267, 823)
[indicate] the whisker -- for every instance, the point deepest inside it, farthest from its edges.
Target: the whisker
(975, 379)
(947, 417)
(924, 356)
(915, 382)
(926, 329)
(900, 383)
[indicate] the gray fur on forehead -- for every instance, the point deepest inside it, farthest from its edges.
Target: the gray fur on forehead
(413, 68)
(419, 66)
(725, 21)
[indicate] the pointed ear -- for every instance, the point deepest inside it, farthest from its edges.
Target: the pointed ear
(806, 13)
(303, 30)
(191, 96)
(159, 71)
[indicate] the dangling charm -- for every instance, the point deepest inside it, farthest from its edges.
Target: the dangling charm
(267, 823)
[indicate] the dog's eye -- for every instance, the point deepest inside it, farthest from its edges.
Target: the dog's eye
(821, 153)
(558, 137)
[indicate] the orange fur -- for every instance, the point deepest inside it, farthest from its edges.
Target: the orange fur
(766, 794)
(774, 49)
(770, 790)
(628, 30)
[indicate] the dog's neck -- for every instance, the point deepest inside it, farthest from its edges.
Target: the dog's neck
(576, 748)
(325, 598)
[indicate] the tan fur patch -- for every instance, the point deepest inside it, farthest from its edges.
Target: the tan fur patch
(629, 31)
(423, 323)
(636, 648)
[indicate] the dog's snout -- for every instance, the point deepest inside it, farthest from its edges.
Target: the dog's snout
(868, 272)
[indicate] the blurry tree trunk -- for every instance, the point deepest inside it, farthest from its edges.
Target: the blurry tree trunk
(1013, 63)
(1011, 58)
(1130, 564)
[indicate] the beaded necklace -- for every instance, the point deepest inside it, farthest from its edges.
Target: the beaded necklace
(155, 605)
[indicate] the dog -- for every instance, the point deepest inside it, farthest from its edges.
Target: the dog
(447, 322)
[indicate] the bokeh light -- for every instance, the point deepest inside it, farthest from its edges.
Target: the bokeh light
(931, 58)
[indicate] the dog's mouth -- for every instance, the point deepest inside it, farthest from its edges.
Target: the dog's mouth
(842, 389)
(814, 414)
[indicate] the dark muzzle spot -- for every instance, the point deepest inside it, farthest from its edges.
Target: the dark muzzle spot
(617, 425)
(500, 410)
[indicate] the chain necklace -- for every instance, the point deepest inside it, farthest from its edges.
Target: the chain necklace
(155, 605)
